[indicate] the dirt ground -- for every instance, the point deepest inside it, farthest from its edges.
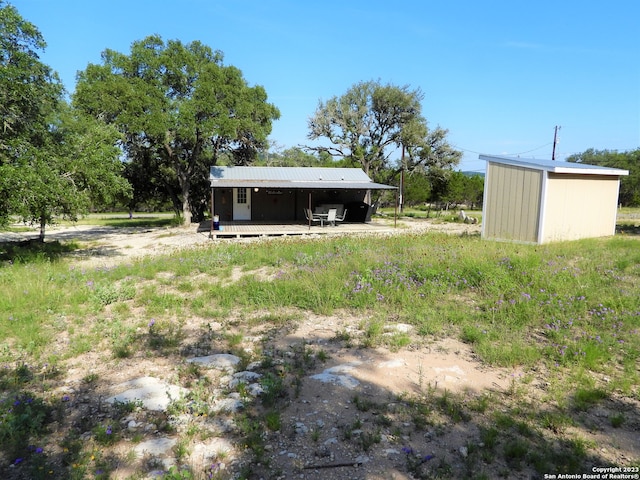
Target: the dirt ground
(108, 246)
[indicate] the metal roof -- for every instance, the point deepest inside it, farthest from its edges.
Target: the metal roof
(293, 177)
(555, 166)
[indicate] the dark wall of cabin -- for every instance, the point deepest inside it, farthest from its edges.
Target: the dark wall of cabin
(223, 203)
(273, 204)
(282, 204)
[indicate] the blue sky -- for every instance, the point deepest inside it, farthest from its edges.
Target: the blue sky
(499, 75)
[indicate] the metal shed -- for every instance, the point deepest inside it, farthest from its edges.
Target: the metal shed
(282, 193)
(541, 201)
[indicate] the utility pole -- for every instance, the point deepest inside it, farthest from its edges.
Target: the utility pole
(555, 141)
(402, 181)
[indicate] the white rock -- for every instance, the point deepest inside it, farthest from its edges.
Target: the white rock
(346, 381)
(243, 377)
(392, 363)
(230, 405)
(221, 361)
(152, 392)
(155, 446)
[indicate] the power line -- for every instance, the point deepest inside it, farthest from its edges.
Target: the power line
(519, 153)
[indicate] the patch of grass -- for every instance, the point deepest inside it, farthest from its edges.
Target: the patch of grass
(272, 420)
(106, 294)
(106, 433)
(585, 398)
(617, 419)
(34, 251)
(453, 406)
(274, 389)
(138, 220)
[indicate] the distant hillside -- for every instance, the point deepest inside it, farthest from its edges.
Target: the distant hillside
(472, 173)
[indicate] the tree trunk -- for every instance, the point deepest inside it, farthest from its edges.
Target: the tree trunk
(186, 210)
(43, 224)
(185, 185)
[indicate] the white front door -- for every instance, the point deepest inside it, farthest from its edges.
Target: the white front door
(242, 204)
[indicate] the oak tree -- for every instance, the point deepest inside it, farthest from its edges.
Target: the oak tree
(371, 121)
(53, 161)
(179, 109)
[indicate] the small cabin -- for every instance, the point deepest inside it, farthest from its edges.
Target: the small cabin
(282, 194)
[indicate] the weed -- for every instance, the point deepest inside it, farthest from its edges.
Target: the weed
(90, 378)
(124, 408)
(368, 439)
(585, 398)
(480, 403)
(557, 422)
(108, 293)
(322, 355)
(106, 434)
(515, 452)
(273, 389)
(364, 405)
(343, 336)
(452, 406)
(272, 420)
(181, 449)
(617, 420)
(373, 333)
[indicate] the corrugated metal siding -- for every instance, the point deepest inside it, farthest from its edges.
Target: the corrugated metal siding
(513, 196)
(578, 206)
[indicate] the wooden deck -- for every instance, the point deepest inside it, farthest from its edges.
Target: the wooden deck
(238, 229)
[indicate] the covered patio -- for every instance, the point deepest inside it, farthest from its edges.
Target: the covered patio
(259, 201)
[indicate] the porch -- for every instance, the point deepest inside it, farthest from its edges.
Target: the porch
(242, 229)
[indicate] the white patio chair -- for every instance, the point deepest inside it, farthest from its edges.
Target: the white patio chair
(341, 218)
(331, 216)
(313, 218)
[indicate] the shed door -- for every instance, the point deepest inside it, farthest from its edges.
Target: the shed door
(242, 204)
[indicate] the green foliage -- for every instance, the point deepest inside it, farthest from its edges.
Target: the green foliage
(23, 415)
(105, 294)
(368, 122)
(29, 89)
(53, 161)
(272, 420)
(585, 398)
(179, 109)
(629, 185)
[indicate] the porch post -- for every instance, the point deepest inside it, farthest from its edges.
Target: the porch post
(212, 213)
(309, 219)
(395, 212)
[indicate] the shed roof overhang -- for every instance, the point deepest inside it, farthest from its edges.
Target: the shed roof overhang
(553, 166)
